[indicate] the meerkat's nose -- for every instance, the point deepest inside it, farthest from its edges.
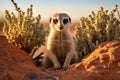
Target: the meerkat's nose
(61, 27)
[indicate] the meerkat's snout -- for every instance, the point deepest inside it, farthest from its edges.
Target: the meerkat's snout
(60, 21)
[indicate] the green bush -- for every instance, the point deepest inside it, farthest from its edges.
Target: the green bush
(23, 30)
(96, 28)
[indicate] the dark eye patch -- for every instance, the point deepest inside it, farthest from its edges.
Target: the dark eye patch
(65, 21)
(55, 21)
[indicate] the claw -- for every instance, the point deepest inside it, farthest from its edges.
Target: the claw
(65, 66)
(57, 66)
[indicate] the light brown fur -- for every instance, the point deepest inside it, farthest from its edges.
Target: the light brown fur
(60, 44)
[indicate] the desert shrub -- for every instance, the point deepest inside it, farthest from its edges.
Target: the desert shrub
(1, 24)
(96, 28)
(23, 30)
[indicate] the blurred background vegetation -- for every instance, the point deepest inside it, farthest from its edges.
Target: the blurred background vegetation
(1, 23)
(98, 27)
(22, 29)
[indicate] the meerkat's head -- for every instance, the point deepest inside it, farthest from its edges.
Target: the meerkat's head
(60, 22)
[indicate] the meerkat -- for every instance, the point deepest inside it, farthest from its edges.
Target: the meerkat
(60, 43)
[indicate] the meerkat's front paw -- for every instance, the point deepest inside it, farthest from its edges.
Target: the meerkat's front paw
(65, 66)
(58, 66)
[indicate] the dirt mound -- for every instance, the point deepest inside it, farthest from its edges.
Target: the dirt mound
(102, 64)
(14, 63)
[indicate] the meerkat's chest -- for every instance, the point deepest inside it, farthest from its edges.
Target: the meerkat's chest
(60, 44)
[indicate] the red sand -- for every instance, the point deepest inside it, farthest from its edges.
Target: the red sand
(102, 64)
(14, 63)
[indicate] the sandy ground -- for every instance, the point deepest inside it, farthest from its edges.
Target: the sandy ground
(102, 64)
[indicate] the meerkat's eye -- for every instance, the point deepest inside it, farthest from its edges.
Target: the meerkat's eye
(55, 21)
(65, 21)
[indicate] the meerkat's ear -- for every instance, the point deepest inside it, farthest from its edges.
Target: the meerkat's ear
(70, 19)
